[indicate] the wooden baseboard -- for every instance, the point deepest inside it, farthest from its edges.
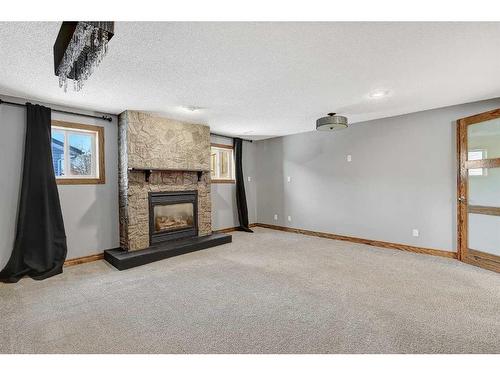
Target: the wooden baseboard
(231, 229)
(85, 259)
(388, 245)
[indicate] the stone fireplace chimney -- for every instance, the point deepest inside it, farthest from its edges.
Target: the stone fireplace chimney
(158, 155)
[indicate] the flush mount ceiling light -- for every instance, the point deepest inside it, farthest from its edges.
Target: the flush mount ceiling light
(379, 93)
(78, 50)
(190, 108)
(331, 122)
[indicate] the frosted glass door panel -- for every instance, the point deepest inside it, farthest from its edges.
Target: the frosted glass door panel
(484, 233)
(484, 137)
(484, 190)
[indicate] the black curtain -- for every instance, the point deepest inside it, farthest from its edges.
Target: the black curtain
(241, 199)
(40, 244)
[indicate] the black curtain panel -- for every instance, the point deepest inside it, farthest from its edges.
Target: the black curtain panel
(241, 199)
(40, 243)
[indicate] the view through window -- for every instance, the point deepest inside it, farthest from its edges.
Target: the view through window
(76, 151)
(222, 163)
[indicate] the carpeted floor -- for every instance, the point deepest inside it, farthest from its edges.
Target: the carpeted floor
(267, 292)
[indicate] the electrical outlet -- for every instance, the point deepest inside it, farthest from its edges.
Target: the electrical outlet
(349, 158)
(289, 218)
(415, 233)
(275, 216)
(249, 179)
(289, 179)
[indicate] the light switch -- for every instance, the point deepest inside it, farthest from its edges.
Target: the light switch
(289, 218)
(289, 179)
(349, 158)
(249, 178)
(275, 216)
(415, 233)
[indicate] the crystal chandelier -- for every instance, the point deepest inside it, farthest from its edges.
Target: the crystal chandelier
(79, 49)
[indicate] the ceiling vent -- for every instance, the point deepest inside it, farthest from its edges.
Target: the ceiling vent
(331, 122)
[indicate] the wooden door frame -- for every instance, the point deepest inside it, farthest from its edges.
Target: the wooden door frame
(465, 254)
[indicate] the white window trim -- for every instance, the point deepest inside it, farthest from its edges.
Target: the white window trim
(94, 167)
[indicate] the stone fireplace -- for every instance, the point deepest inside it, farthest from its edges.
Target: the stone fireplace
(164, 190)
(164, 180)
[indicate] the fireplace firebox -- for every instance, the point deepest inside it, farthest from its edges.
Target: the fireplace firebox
(172, 215)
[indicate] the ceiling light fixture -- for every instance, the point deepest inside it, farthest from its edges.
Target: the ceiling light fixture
(78, 50)
(331, 122)
(190, 108)
(379, 93)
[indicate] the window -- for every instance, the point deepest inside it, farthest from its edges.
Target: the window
(477, 155)
(222, 163)
(77, 153)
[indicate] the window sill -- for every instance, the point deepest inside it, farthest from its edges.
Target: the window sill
(223, 181)
(80, 181)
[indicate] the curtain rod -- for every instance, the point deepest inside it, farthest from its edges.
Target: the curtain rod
(228, 137)
(106, 118)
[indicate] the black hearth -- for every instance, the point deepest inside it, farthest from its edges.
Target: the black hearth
(172, 215)
(173, 230)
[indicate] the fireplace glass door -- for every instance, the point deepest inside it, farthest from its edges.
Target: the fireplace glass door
(172, 215)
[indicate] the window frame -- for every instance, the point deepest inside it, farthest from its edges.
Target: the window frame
(101, 173)
(231, 180)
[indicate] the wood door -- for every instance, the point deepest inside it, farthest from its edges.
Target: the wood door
(478, 148)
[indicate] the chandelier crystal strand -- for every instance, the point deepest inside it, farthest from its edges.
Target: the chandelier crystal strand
(75, 48)
(85, 51)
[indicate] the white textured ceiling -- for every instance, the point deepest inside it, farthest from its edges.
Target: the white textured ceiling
(264, 79)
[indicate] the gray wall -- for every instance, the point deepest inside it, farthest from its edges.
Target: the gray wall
(224, 214)
(402, 177)
(90, 211)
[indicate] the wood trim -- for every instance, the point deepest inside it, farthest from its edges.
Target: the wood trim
(77, 126)
(232, 229)
(79, 181)
(223, 181)
(388, 245)
(484, 210)
(85, 259)
(483, 255)
(220, 145)
(484, 260)
(102, 161)
(481, 117)
(462, 181)
(225, 230)
(102, 157)
(484, 163)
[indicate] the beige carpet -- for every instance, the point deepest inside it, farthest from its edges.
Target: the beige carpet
(268, 292)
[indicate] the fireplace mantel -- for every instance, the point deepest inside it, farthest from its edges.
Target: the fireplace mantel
(147, 171)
